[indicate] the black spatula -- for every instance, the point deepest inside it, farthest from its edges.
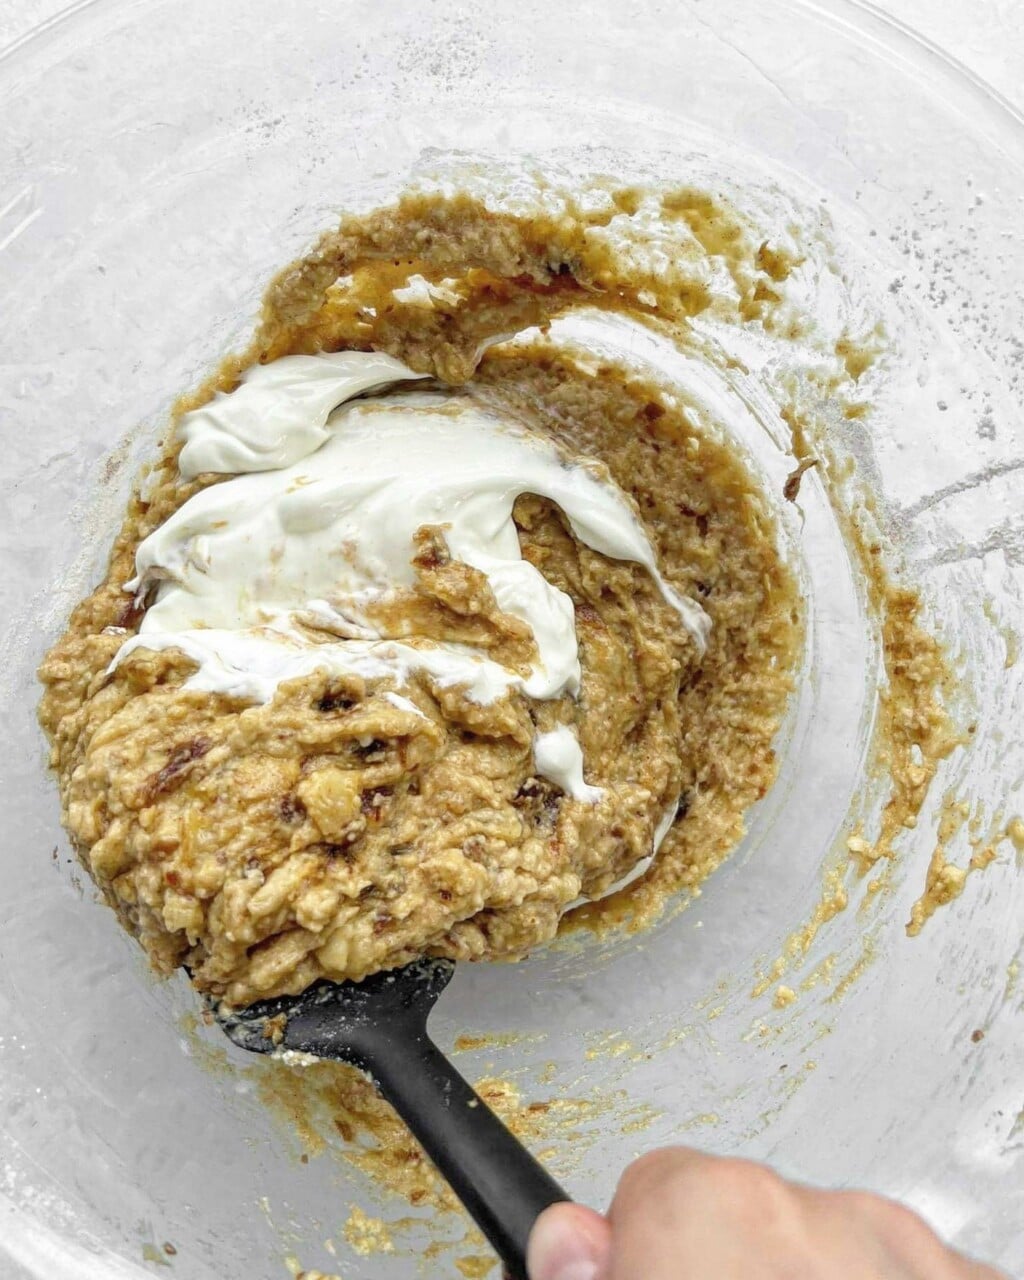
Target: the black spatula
(380, 1025)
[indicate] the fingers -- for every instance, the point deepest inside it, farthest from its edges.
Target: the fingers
(568, 1242)
(681, 1215)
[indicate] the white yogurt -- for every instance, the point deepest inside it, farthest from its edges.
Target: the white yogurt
(279, 412)
(318, 521)
(558, 757)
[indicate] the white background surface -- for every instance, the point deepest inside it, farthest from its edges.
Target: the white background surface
(987, 36)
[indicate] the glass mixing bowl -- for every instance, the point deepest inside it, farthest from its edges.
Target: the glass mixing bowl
(159, 159)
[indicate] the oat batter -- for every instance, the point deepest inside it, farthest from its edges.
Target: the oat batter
(282, 773)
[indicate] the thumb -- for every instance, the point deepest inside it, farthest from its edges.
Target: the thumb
(568, 1242)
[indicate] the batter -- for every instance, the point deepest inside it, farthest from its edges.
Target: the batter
(420, 632)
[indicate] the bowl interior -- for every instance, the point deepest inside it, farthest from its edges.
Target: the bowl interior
(160, 160)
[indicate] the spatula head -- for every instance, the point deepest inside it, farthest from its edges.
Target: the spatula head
(341, 1020)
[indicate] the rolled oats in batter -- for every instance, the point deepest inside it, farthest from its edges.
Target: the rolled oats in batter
(437, 616)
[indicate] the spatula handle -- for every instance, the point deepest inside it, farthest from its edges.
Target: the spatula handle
(488, 1168)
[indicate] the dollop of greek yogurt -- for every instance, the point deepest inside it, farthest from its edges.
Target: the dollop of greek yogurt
(278, 413)
(317, 523)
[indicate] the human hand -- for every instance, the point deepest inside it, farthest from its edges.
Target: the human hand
(681, 1215)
